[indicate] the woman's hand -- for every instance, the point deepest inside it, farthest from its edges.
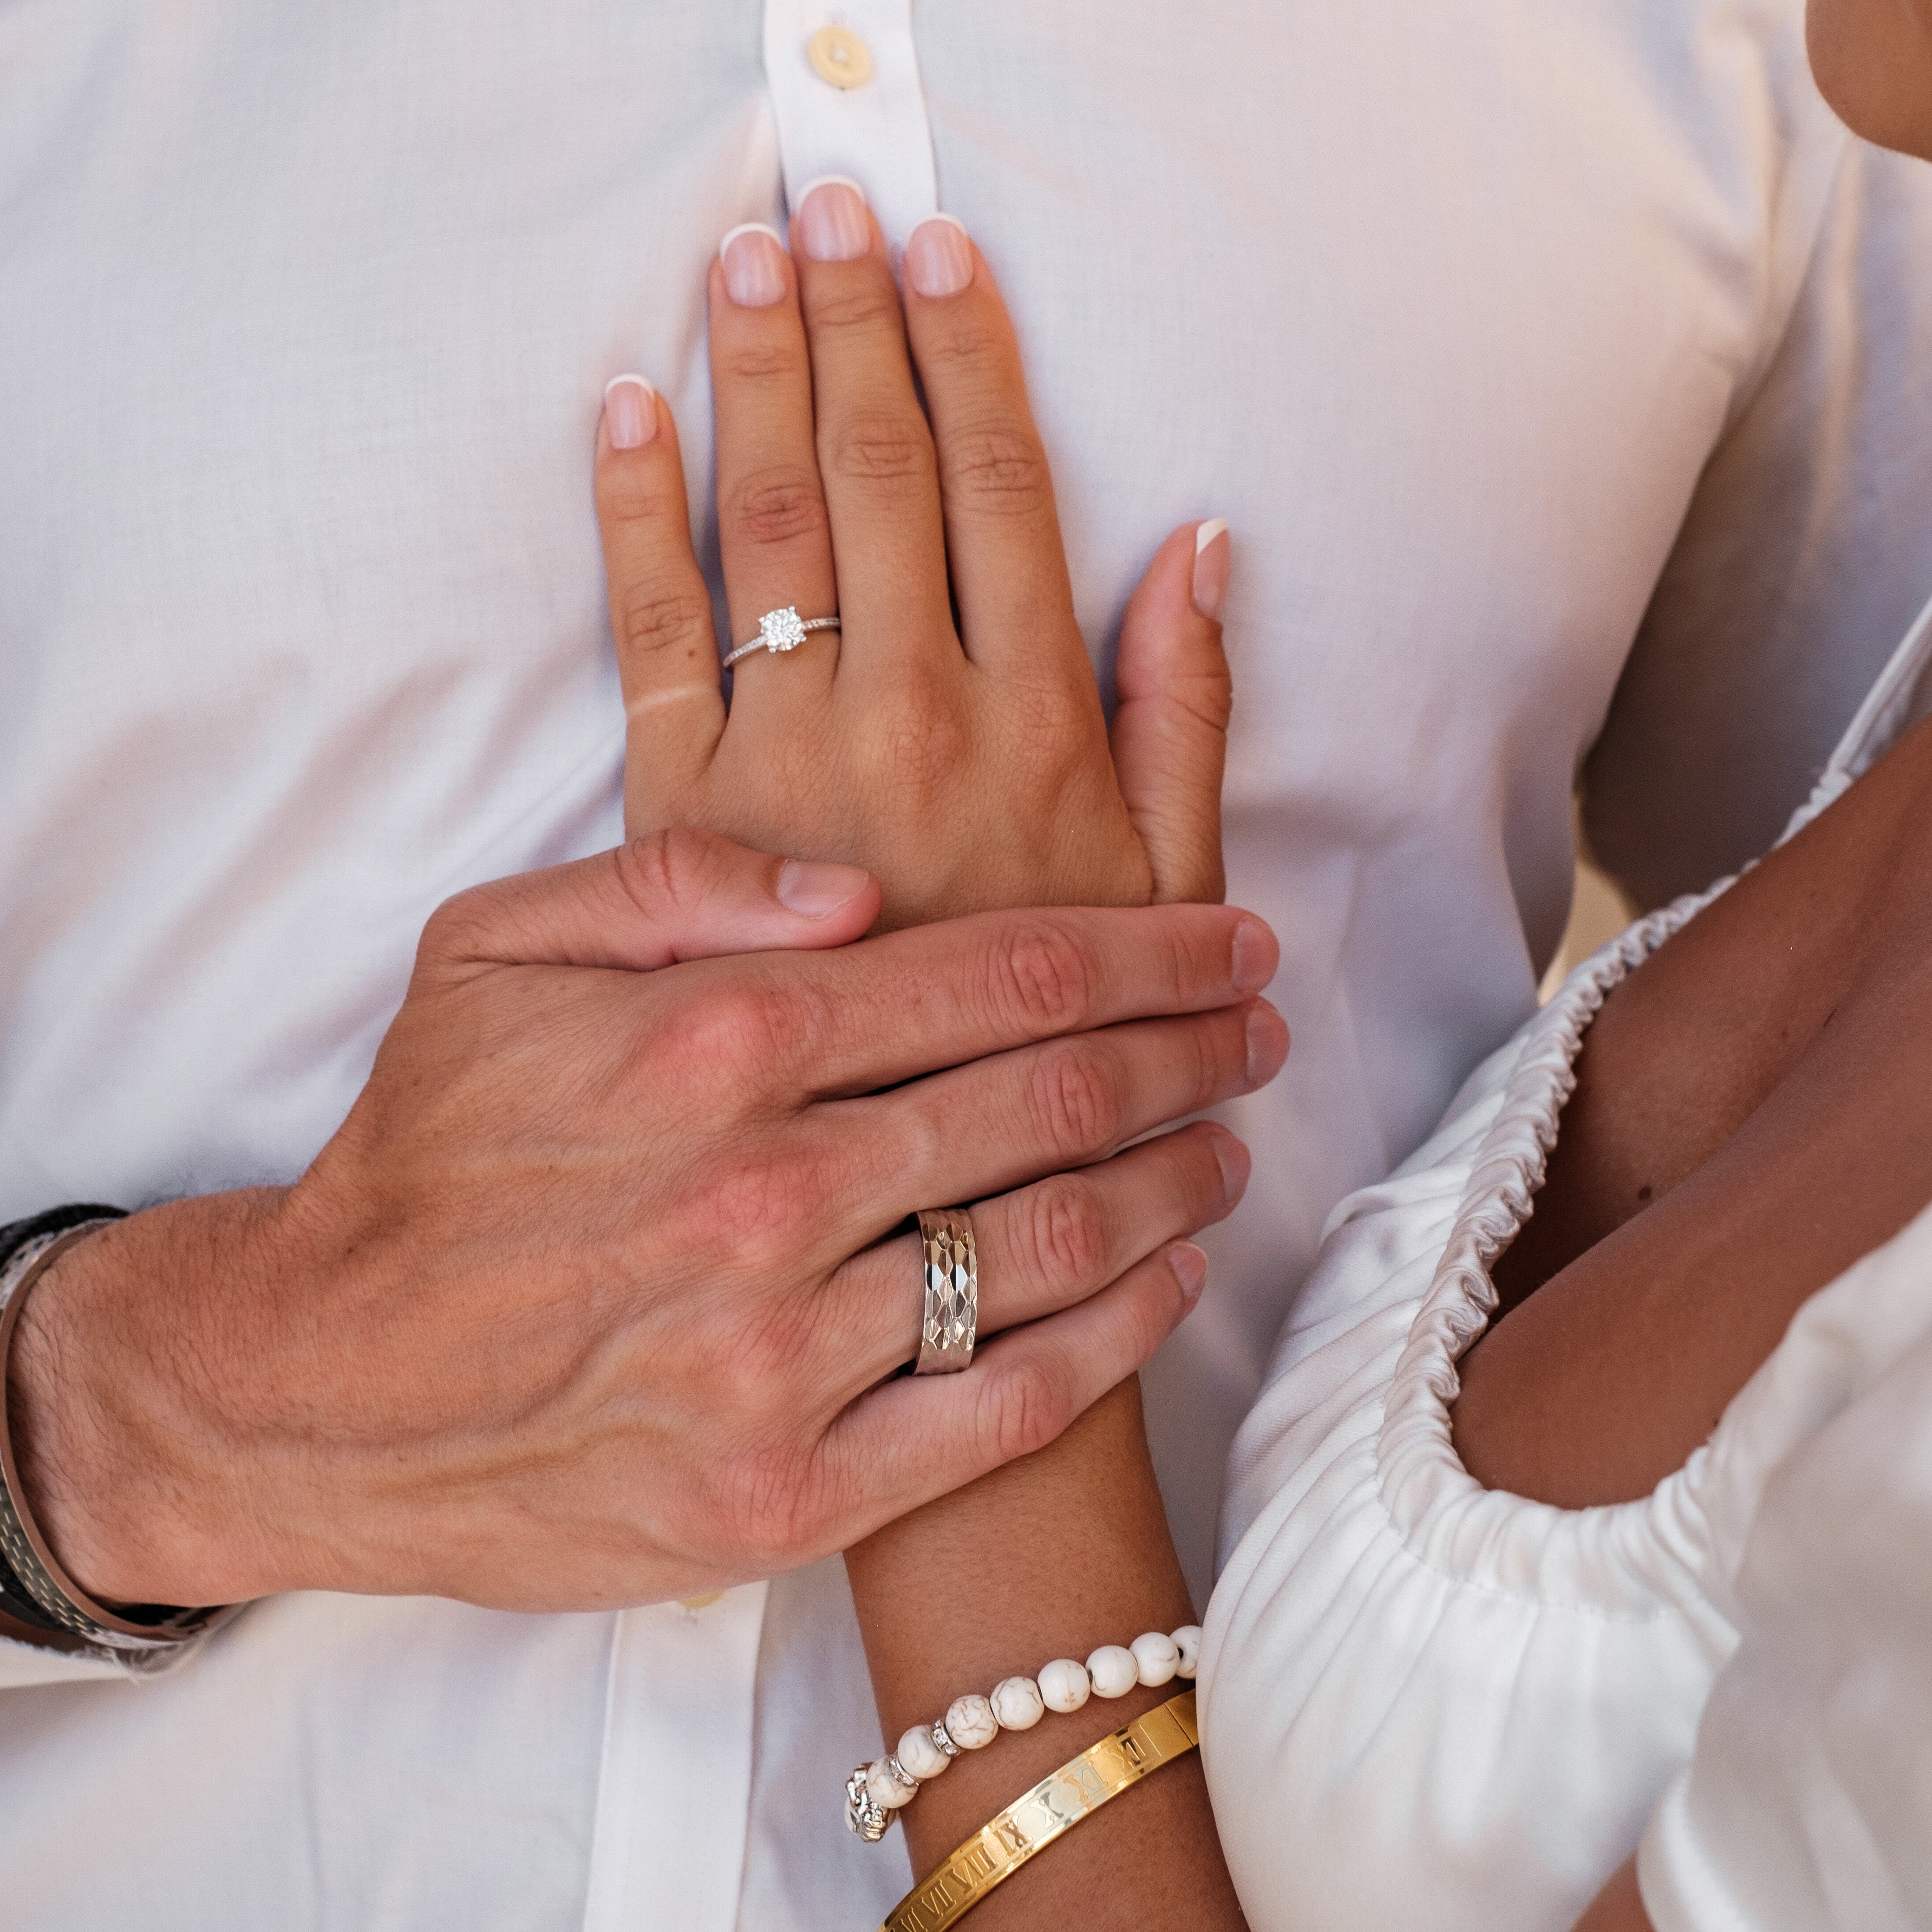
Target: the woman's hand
(961, 755)
(950, 739)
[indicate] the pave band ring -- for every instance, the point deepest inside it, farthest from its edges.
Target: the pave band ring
(949, 1268)
(781, 631)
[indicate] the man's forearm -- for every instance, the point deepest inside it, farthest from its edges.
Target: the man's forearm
(1052, 1556)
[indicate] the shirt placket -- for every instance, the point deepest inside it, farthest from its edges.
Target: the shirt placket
(845, 90)
(674, 1787)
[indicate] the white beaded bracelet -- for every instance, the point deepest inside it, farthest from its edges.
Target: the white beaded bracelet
(876, 1791)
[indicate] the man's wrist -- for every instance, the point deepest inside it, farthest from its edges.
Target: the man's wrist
(118, 1457)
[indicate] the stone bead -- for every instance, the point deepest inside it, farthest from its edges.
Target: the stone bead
(882, 1788)
(1017, 1703)
(1155, 1654)
(1114, 1670)
(919, 1755)
(1187, 1641)
(1063, 1685)
(970, 1722)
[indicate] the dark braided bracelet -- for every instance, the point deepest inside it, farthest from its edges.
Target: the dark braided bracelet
(38, 1602)
(37, 1232)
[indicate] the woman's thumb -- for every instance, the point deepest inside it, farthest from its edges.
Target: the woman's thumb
(1171, 722)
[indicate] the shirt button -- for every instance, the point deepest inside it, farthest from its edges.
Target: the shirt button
(837, 54)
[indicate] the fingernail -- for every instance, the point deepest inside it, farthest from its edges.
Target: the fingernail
(1211, 556)
(630, 411)
(1267, 1043)
(938, 257)
(1189, 1264)
(1255, 955)
(1232, 1157)
(818, 891)
(753, 259)
(831, 223)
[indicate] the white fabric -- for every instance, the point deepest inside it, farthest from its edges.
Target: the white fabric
(1429, 1703)
(1805, 1803)
(307, 316)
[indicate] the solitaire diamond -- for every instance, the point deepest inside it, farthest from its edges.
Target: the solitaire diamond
(781, 630)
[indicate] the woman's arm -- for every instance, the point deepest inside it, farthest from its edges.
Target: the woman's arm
(1052, 1556)
(1754, 1111)
(971, 763)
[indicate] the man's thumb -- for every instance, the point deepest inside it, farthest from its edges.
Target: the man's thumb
(670, 895)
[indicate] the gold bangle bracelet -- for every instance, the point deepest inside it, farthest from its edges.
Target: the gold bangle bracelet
(1054, 1806)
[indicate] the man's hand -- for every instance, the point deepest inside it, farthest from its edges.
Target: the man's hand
(591, 1300)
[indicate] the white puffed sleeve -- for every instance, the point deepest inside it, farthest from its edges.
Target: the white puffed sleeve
(1807, 1806)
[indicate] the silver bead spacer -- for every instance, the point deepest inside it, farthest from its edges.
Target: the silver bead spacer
(942, 1740)
(899, 1771)
(864, 1819)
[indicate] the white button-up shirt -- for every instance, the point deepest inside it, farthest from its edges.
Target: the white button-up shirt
(1452, 309)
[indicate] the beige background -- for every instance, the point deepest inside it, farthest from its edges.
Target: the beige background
(1598, 911)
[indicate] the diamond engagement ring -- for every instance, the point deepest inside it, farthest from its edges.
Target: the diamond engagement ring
(949, 1268)
(781, 631)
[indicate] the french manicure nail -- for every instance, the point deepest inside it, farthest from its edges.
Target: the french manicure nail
(1267, 1043)
(1211, 554)
(1255, 956)
(1189, 1264)
(938, 257)
(817, 891)
(630, 411)
(831, 224)
(753, 259)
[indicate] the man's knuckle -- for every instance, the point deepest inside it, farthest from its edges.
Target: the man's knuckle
(761, 1202)
(1067, 1233)
(777, 506)
(729, 1038)
(454, 929)
(1220, 1055)
(772, 1505)
(996, 469)
(1077, 1103)
(655, 871)
(1044, 977)
(1028, 1404)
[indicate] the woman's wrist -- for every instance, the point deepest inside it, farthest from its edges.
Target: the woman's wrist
(1052, 1556)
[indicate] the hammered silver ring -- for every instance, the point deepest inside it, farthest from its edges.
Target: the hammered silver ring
(949, 1271)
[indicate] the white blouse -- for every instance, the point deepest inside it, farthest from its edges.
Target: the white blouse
(1429, 1704)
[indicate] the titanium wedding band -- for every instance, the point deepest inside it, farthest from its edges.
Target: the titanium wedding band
(781, 630)
(950, 1266)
